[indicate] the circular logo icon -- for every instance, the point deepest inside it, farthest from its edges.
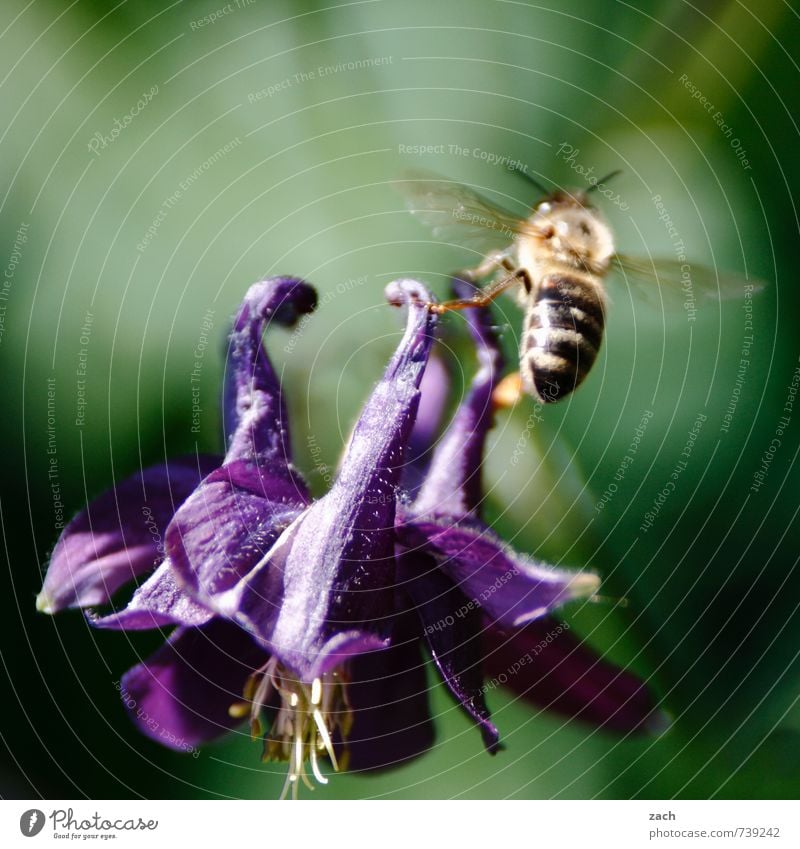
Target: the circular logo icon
(31, 822)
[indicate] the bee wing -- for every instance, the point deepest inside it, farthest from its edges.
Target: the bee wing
(670, 283)
(454, 211)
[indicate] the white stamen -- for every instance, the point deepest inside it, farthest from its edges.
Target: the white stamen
(298, 754)
(286, 784)
(326, 738)
(315, 767)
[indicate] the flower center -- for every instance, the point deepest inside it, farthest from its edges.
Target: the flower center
(302, 728)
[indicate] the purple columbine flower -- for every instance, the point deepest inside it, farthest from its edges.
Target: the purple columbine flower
(309, 616)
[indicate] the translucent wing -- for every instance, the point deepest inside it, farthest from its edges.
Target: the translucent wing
(453, 211)
(673, 284)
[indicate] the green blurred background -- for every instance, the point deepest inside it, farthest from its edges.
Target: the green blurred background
(255, 159)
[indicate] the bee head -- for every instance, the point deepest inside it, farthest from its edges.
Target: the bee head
(577, 198)
(562, 200)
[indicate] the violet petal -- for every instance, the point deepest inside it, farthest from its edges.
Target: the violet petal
(512, 589)
(254, 412)
(342, 647)
(333, 570)
(434, 389)
(560, 673)
(232, 519)
(158, 602)
(227, 526)
(388, 696)
(453, 483)
(118, 536)
(451, 625)
(180, 696)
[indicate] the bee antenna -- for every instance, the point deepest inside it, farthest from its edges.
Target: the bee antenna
(605, 179)
(522, 170)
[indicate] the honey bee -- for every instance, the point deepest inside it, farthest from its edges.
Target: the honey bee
(558, 259)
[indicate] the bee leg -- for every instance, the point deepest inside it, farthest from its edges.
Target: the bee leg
(493, 262)
(483, 297)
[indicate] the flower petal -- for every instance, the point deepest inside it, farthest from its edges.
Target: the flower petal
(159, 601)
(343, 646)
(434, 390)
(254, 412)
(333, 570)
(511, 588)
(545, 664)
(452, 628)
(453, 483)
(228, 525)
(233, 518)
(388, 696)
(118, 536)
(180, 696)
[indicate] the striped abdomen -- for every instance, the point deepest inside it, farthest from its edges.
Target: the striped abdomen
(562, 335)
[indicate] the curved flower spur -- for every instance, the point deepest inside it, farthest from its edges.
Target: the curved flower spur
(308, 616)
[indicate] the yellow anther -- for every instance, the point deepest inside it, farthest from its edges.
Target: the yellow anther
(239, 710)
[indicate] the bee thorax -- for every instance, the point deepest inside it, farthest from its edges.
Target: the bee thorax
(569, 234)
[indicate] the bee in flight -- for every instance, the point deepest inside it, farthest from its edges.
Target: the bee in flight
(557, 259)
